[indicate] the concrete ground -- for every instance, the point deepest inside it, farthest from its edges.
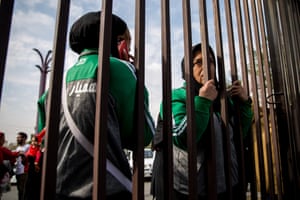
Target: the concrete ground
(13, 193)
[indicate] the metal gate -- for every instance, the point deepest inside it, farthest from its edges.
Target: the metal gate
(266, 59)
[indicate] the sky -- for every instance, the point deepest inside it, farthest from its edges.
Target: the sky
(33, 25)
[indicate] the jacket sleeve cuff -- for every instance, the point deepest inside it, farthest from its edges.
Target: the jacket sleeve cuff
(202, 104)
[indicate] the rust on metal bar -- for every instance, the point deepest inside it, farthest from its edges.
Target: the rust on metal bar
(274, 131)
(296, 16)
(293, 77)
(238, 134)
(242, 44)
(257, 124)
(191, 128)
(231, 46)
(6, 12)
(100, 132)
(295, 61)
(167, 109)
(245, 79)
(290, 81)
(223, 95)
(138, 173)
(263, 100)
(273, 30)
(295, 30)
(211, 169)
(48, 187)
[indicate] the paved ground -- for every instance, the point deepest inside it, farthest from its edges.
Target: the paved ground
(147, 191)
(13, 195)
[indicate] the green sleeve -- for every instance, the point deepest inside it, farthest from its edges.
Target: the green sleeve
(149, 123)
(179, 116)
(123, 88)
(42, 111)
(246, 116)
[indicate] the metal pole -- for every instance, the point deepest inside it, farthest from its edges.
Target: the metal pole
(48, 186)
(6, 11)
(167, 122)
(138, 173)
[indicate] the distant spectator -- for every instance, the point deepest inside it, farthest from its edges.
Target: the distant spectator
(7, 158)
(21, 166)
(33, 155)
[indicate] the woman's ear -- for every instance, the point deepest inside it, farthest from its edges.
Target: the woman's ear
(123, 50)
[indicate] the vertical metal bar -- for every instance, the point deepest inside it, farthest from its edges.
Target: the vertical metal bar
(238, 136)
(250, 156)
(289, 54)
(291, 12)
(287, 79)
(296, 44)
(294, 76)
(276, 23)
(167, 109)
(296, 17)
(242, 44)
(283, 125)
(295, 61)
(191, 128)
(49, 172)
(204, 38)
(223, 96)
(246, 86)
(288, 68)
(138, 176)
(100, 132)
(296, 13)
(255, 102)
(293, 40)
(6, 12)
(231, 45)
(274, 132)
(212, 181)
(263, 100)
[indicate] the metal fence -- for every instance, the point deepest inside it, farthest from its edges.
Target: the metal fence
(267, 58)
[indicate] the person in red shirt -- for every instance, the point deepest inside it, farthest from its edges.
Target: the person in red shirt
(33, 155)
(35, 147)
(5, 155)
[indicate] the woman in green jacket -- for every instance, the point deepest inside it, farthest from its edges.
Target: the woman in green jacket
(75, 162)
(206, 95)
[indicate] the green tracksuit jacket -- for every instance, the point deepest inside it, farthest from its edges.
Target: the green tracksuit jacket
(75, 165)
(180, 155)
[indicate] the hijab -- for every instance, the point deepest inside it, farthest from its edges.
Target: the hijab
(84, 33)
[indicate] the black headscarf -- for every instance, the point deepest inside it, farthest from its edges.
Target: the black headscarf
(85, 32)
(197, 85)
(195, 49)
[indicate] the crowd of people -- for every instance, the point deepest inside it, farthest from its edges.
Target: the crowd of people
(24, 162)
(77, 123)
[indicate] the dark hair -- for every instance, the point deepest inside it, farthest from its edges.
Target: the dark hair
(24, 135)
(84, 32)
(196, 48)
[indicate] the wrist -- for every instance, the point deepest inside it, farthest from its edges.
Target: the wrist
(248, 100)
